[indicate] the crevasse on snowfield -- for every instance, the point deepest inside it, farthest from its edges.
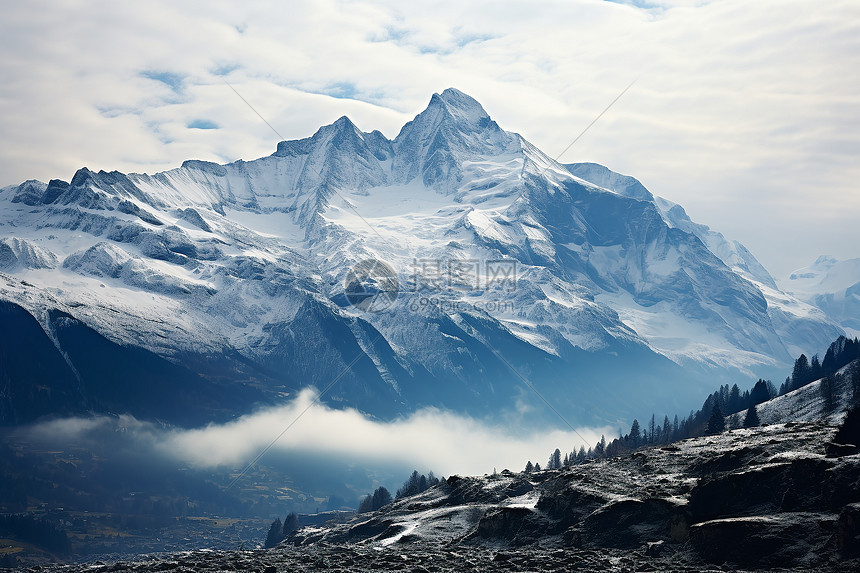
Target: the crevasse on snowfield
(618, 297)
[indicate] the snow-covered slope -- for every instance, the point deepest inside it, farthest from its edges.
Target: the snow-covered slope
(807, 404)
(575, 276)
(831, 285)
(799, 325)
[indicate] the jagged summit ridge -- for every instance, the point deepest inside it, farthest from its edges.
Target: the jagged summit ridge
(453, 128)
(460, 106)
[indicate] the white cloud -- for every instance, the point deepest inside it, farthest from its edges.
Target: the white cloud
(745, 113)
(442, 441)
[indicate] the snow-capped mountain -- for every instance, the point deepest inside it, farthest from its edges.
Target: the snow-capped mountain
(509, 264)
(831, 285)
(798, 322)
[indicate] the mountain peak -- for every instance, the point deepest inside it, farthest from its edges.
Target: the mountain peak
(459, 105)
(825, 260)
(268, 290)
(340, 130)
(453, 127)
(341, 126)
(343, 122)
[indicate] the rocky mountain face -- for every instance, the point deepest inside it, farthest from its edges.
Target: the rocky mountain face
(233, 283)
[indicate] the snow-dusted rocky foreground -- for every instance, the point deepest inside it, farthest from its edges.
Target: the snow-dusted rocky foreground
(759, 498)
(751, 497)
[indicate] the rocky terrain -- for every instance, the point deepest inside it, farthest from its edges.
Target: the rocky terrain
(766, 498)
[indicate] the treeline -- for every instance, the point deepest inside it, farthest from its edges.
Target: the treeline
(841, 353)
(35, 531)
(726, 401)
(381, 496)
(414, 484)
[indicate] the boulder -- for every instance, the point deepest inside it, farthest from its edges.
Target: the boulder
(799, 485)
(848, 532)
(632, 523)
(783, 540)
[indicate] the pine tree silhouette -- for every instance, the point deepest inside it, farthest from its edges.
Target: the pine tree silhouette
(751, 418)
(717, 422)
(275, 534)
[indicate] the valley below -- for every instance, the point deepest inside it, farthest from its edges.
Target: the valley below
(769, 498)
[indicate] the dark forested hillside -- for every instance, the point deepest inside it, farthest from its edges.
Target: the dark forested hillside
(740, 407)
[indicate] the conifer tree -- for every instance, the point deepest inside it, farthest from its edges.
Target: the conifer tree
(366, 504)
(814, 369)
(760, 392)
(275, 534)
(772, 390)
(416, 484)
(635, 433)
(735, 400)
(751, 418)
(291, 523)
(717, 422)
(800, 373)
(554, 462)
(381, 496)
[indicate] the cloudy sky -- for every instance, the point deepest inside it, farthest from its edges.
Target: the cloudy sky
(747, 113)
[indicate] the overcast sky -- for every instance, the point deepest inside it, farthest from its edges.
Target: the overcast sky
(746, 113)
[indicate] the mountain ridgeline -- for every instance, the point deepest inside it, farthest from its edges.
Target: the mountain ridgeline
(204, 292)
